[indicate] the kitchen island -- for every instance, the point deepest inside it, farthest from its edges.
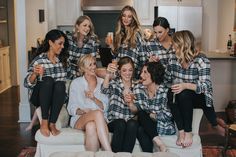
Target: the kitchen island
(223, 75)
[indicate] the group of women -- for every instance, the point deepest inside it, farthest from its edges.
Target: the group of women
(155, 83)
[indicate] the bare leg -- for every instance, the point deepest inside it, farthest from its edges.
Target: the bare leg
(53, 129)
(102, 131)
(180, 139)
(188, 139)
(33, 121)
(44, 128)
(91, 137)
(160, 144)
(39, 114)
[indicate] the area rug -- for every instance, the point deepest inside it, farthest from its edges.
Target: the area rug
(27, 152)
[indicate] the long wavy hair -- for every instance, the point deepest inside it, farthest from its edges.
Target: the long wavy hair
(127, 35)
(185, 43)
(53, 35)
(91, 32)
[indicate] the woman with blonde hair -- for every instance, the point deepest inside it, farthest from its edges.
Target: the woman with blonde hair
(189, 76)
(86, 105)
(82, 41)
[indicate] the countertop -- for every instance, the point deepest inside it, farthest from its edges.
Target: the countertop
(219, 55)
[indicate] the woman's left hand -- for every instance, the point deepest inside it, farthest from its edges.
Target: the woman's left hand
(89, 94)
(178, 88)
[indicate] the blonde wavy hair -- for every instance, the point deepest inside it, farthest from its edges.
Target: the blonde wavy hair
(84, 62)
(127, 35)
(185, 43)
(79, 21)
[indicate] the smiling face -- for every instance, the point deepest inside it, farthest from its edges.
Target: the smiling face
(145, 76)
(57, 45)
(127, 18)
(161, 33)
(84, 27)
(90, 66)
(126, 72)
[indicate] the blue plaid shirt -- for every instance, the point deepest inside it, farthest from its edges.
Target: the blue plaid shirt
(154, 47)
(117, 108)
(56, 71)
(157, 105)
(197, 73)
(90, 46)
(137, 54)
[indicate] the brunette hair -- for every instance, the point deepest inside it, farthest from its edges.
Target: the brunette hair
(161, 21)
(185, 43)
(53, 35)
(127, 35)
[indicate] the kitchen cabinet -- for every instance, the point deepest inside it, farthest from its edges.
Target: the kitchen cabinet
(179, 2)
(145, 11)
(5, 78)
(183, 18)
(3, 23)
(67, 12)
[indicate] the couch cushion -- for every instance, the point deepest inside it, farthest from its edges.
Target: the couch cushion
(67, 136)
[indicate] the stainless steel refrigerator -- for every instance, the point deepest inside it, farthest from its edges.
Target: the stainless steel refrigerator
(182, 18)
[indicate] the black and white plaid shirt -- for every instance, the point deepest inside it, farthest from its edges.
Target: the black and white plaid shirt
(90, 46)
(157, 105)
(154, 47)
(56, 71)
(137, 54)
(197, 73)
(117, 108)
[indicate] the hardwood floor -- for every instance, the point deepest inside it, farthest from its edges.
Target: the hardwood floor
(13, 136)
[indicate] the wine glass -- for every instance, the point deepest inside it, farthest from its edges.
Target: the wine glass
(41, 71)
(174, 82)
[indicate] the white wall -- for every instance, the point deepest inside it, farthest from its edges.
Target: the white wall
(34, 28)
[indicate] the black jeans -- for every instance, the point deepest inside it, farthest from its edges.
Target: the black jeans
(50, 95)
(124, 135)
(182, 109)
(147, 131)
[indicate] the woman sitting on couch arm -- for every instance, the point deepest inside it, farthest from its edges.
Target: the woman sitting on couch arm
(86, 105)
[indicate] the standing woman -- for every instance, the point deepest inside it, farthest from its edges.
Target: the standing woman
(82, 41)
(189, 76)
(128, 39)
(120, 113)
(86, 105)
(46, 79)
(160, 47)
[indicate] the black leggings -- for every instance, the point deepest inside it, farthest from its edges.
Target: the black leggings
(124, 135)
(50, 95)
(182, 109)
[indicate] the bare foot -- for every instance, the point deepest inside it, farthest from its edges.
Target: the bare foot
(188, 139)
(44, 128)
(54, 130)
(158, 142)
(180, 139)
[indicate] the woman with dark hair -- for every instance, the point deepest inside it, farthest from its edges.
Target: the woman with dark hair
(154, 116)
(128, 40)
(46, 79)
(82, 41)
(160, 47)
(189, 76)
(120, 113)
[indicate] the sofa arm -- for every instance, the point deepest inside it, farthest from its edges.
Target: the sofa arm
(63, 118)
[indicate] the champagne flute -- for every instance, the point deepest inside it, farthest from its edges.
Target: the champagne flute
(174, 82)
(41, 69)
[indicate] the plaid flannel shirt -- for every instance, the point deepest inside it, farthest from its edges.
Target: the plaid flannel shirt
(90, 46)
(154, 47)
(197, 73)
(117, 108)
(137, 54)
(157, 105)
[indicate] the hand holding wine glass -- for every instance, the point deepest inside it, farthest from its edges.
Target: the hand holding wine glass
(39, 70)
(176, 88)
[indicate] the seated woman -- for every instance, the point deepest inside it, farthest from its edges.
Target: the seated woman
(154, 116)
(46, 79)
(86, 105)
(120, 113)
(189, 76)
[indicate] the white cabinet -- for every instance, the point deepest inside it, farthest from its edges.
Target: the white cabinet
(179, 2)
(145, 11)
(67, 12)
(183, 18)
(5, 78)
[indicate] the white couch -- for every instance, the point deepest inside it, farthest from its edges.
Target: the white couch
(72, 140)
